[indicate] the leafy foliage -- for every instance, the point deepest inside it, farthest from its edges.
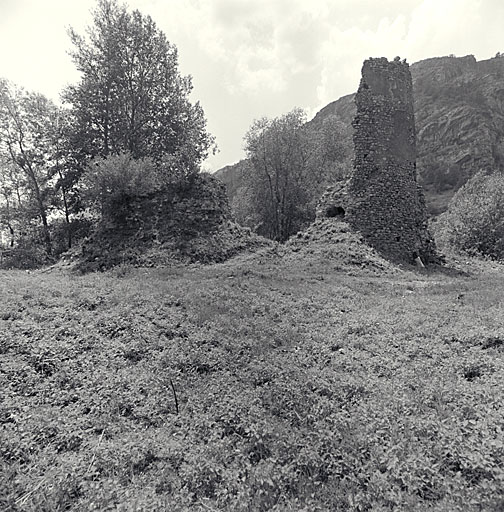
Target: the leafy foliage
(131, 96)
(289, 165)
(297, 388)
(474, 222)
(26, 152)
(109, 181)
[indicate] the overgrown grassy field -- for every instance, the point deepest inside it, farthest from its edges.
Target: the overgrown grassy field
(259, 384)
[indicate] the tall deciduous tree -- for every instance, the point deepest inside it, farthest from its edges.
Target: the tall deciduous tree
(25, 145)
(290, 163)
(131, 96)
(12, 186)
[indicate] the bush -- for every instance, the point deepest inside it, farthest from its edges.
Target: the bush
(110, 180)
(64, 235)
(29, 251)
(290, 164)
(26, 256)
(474, 222)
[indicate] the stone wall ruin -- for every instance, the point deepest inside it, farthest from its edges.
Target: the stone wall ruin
(186, 221)
(382, 199)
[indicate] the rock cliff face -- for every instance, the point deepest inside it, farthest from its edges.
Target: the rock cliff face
(459, 115)
(459, 109)
(344, 108)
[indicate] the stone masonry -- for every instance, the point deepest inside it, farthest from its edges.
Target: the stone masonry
(382, 199)
(184, 221)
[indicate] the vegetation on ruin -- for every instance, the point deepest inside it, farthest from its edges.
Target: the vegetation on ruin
(260, 384)
(131, 103)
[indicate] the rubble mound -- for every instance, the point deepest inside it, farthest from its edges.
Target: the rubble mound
(333, 240)
(186, 223)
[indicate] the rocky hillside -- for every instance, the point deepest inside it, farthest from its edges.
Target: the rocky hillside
(459, 109)
(233, 176)
(343, 108)
(459, 113)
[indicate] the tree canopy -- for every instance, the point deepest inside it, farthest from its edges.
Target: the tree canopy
(474, 221)
(131, 104)
(131, 96)
(27, 151)
(290, 163)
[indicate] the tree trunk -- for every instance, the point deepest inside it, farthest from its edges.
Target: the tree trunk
(45, 225)
(67, 213)
(41, 207)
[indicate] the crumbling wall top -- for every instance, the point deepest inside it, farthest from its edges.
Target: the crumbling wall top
(386, 204)
(387, 80)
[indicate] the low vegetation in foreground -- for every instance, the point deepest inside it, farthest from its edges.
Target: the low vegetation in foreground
(254, 385)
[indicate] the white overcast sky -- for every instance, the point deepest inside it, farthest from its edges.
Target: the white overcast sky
(254, 58)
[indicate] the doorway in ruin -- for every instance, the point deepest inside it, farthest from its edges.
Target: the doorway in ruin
(335, 212)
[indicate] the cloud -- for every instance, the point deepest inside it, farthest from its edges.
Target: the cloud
(250, 58)
(263, 44)
(440, 28)
(272, 55)
(425, 29)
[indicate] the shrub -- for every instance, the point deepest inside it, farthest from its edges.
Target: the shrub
(65, 234)
(110, 180)
(474, 222)
(29, 252)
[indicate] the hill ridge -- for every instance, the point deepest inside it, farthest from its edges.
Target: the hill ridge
(459, 115)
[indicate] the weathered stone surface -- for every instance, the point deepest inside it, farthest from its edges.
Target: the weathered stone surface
(459, 118)
(334, 202)
(382, 199)
(186, 223)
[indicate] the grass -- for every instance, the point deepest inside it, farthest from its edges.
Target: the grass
(258, 384)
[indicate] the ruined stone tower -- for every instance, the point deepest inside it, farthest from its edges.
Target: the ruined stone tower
(385, 202)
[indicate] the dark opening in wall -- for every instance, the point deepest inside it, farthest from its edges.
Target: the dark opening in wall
(335, 211)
